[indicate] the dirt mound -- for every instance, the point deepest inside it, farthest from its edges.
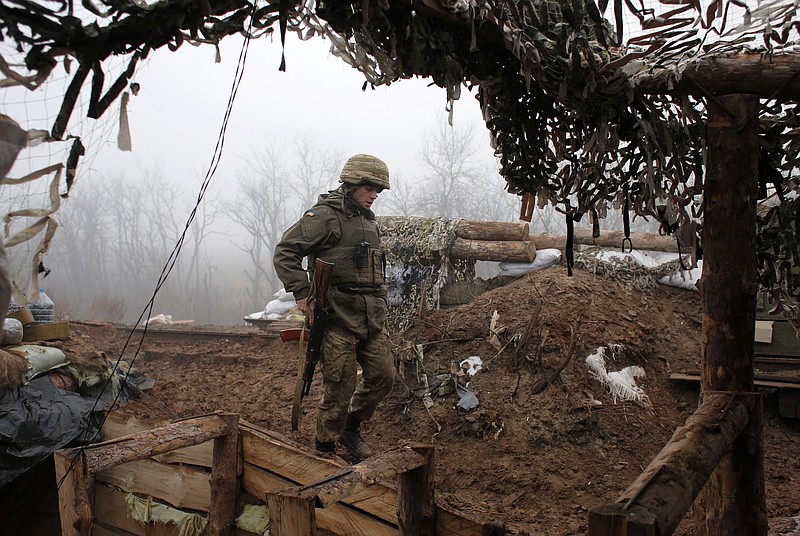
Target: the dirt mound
(547, 440)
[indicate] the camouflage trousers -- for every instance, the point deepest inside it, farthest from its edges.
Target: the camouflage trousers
(343, 389)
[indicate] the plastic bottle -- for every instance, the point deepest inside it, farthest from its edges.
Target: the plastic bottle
(43, 310)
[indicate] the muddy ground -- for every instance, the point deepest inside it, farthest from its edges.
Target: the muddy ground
(542, 447)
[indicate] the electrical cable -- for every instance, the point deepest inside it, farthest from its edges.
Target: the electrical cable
(173, 257)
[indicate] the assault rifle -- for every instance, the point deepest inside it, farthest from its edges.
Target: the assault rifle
(317, 316)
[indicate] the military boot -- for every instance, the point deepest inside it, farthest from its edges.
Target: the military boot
(351, 439)
(327, 447)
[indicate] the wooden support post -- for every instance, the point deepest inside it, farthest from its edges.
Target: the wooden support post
(291, 513)
(225, 472)
(662, 494)
(616, 520)
(733, 501)
(416, 503)
(75, 492)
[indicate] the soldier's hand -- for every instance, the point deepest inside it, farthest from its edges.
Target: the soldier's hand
(301, 304)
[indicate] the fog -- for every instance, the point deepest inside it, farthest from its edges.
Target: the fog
(257, 165)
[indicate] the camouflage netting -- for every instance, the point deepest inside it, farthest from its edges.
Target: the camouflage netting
(581, 110)
(418, 264)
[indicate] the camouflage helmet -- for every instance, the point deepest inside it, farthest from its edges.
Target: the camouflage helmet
(365, 168)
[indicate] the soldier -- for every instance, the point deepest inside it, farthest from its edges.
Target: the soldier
(341, 229)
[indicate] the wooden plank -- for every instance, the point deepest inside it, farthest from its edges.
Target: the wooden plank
(74, 492)
(338, 518)
(180, 486)
(111, 509)
(116, 426)
(301, 467)
(778, 382)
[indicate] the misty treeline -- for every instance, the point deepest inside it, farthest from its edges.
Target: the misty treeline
(122, 238)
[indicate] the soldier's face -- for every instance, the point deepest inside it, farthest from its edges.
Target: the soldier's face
(366, 194)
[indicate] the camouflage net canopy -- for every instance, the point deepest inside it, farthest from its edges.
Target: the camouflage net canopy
(418, 264)
(590, 104)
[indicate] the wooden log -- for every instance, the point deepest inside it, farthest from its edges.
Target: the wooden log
(383, 467)
(484, 250)
(139, 446)
(116, 426)
(416, 502)
(492, 230)
(666, 488)
(732, 73)
(225, 480)
(607, 239)
(75, 492)
(291, 513)
(734, 500)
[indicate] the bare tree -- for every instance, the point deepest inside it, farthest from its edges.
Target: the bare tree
(260, 207)
(452, 168)
(316, 170)
(401, 199)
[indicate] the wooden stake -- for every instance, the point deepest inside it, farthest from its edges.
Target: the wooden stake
(291, 513)
(416, 504)
(225, 473)
(75, 492)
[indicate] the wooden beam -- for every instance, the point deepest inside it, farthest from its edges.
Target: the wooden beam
(492, 230)
(225, 479)
(766, 76)
(664, 491)
(734, 500)
(384, 467)
(607, 239)
(502, 251)
(147, 444)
